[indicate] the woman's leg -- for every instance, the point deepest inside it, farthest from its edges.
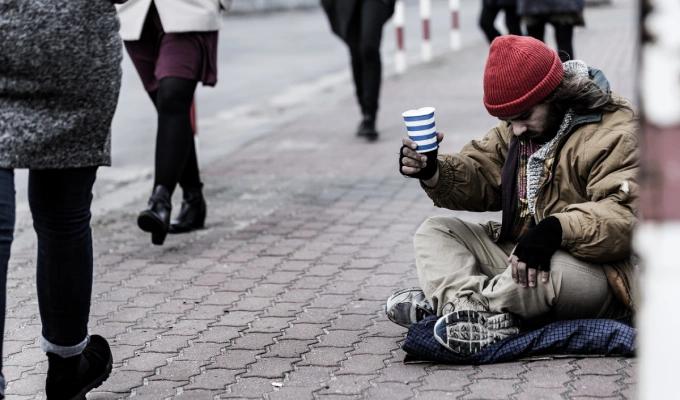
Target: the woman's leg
(175, 138)
(374, 14)
(194, 209)
(174, 144)
(190, 178)
(7, 217)
(353, 41)
(563, 37)
(60, 204)
(536, 30)
(513, 21)
(487, 18)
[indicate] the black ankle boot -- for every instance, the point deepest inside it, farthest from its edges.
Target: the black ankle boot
(192, 214)
(367, 127)
(156, 219)
(71, 378)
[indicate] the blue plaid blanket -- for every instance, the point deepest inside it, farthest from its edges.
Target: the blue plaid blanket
(574, 337)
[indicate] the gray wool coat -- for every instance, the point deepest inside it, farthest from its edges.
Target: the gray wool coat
(59, 80)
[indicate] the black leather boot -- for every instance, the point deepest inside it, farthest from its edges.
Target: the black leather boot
(192, 214)
(367, 127)
(156, 219)
(71, 378)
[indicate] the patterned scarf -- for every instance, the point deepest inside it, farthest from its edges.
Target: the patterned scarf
(534, 170)
(534, 167)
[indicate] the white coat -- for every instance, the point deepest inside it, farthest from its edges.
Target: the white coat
(176, 16)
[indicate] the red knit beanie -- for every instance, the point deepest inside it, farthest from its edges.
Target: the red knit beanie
(520, 72)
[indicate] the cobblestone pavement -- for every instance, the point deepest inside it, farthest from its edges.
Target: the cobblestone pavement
(309, 231)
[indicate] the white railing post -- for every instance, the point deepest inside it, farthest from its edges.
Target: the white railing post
(426, 44)
(454, 37)
(400, 54)
(658, 235)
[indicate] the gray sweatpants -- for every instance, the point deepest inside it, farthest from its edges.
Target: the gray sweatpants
(458, 265)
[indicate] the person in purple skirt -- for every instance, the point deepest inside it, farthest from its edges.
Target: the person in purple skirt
(173, 45)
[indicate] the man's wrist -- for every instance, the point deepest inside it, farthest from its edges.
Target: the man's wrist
(553, 225)
(432, 182)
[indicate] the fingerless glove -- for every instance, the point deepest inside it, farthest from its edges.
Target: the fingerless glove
(424, 173)
(536, 247)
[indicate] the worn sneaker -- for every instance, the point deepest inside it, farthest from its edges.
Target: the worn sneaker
(408, 306)
(466, 332)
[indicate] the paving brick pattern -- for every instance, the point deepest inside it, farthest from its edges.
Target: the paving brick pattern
(309, 231)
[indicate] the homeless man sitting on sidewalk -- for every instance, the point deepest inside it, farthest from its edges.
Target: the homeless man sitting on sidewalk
(562, 165)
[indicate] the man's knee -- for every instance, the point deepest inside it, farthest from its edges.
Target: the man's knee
(570, 267)
(583, 290)
(437, 226)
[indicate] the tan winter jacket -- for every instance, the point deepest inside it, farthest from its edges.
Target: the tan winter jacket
(594, 192)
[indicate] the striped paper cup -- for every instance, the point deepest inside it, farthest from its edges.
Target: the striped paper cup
(421, 129)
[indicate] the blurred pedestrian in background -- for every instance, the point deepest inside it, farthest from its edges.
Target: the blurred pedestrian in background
(359, 24)
(59, 82)
(490, 10)
(173, 45)
(563, 15)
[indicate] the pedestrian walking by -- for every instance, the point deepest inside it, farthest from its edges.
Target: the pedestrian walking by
(491, 9)
(173, 45)
(563, 15)
(562, 165)
(359, 23)
(60, 76)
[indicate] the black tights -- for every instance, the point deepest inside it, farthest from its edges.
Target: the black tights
(487, 20)
(176, 160)
(563, 37)
(364, 36)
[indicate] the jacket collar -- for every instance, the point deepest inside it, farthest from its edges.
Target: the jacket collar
(580, 119)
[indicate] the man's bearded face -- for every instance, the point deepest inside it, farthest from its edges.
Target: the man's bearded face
(540, 123)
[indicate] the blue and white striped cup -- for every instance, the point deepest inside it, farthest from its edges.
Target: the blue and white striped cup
(421, 128)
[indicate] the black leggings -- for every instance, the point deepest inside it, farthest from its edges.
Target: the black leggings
(364, 36)
(563, 37)
(176, 160)
(488, 17)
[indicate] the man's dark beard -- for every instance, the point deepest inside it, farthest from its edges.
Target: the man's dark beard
(552, 126)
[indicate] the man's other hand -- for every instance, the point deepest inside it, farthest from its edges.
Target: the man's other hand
(416, 165)
(534, 251)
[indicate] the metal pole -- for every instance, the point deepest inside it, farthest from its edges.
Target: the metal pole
(658, 236)
(400, 54)
(426, 44)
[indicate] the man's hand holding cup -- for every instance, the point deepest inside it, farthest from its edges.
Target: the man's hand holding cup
(418, 155)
